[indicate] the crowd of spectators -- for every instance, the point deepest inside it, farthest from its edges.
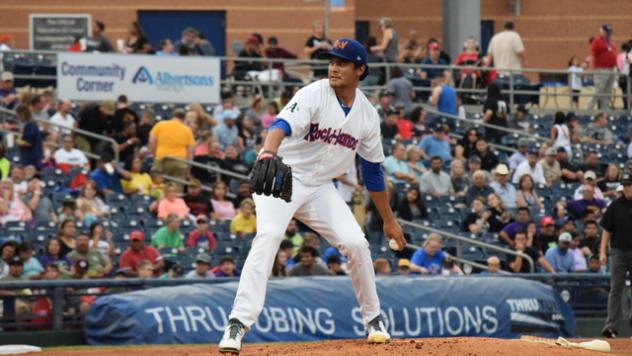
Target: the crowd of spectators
(488, 193)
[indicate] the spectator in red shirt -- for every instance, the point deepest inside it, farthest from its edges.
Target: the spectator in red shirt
(275, 51)
(201, 237)
(138, 252)
(604, 59)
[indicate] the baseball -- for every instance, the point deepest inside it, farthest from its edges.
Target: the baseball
(393, 245)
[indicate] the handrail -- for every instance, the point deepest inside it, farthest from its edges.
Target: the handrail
(492, 145)
(74, 130)
(471, 242)
(433, 111)
(211, 167)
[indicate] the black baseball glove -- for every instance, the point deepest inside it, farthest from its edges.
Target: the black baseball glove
(270, 176)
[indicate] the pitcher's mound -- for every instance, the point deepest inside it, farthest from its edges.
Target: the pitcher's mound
(460, 346)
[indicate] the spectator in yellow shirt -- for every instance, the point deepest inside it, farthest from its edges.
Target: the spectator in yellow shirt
(172, 138)
(245, 222)
(140, 182)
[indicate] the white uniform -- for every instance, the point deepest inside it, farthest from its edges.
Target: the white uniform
(322, 146)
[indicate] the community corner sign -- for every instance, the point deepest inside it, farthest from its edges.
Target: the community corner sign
(55, 32)
(95, 77)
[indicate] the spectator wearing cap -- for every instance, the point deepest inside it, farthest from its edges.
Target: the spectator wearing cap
(397, 168)
(546, 237)
(94, 118)
(518, 264)
(493, 267)
(520, 156)
(108, 175)
(172, 138)
(479, 188)
(198, 201)
(9, 99)
(616, 224)
(402, 89)
(169, 236)
(98, 42)
(30, 142)
(443, 95)
(334, 265)
(100, 265)
(506, 50)
(570, 172)
(590, 178)
(435, 181)
(530, 167)
(22, 308)
(226, 132)
(550, 166)
(171, 203)
(598, 132)
(436, 145)
(389, 128)
(176, 271)
(403, 267)
(201, 237)
(248, 68)
(137, 252)
(560, 257)
(245, 222)
(433, 58)
(587, 202)
(385, 102)
(226, 268)
(202, 268)
(275, 51)
(604, 60)
(508, 233)
(503, 188)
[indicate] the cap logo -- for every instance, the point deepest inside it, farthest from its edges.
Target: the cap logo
(340, 44)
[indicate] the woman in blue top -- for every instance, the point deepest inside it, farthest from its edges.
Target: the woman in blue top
(30, 142)
(429, 259)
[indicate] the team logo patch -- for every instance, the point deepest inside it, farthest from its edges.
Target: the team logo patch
(340, 44)
(331, 136)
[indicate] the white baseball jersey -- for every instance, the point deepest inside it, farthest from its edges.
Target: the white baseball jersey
(324, 142)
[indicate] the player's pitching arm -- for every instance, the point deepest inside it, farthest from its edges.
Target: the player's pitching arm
(374, 181)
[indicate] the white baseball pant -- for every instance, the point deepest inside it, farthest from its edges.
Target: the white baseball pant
(322, 209)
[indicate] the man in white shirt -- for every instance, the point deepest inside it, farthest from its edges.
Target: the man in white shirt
(506, 49)
(530, 167)
(435, 181)
(518, 157)
(68, 155)
(63, 117)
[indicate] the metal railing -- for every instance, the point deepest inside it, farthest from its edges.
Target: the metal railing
(62, 129)
(212, 167)
(464, 240)
(301, 68)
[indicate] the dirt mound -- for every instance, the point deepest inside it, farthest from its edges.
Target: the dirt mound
(431, 347)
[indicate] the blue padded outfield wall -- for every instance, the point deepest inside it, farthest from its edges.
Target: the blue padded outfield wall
(308, 309)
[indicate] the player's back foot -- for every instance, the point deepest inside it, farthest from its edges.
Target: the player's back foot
(377, 333)
(233, 334)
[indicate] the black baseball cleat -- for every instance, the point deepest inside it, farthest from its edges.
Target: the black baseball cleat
(609, 333)
(233, 334)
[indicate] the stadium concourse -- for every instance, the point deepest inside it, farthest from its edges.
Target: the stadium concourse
(160, 190)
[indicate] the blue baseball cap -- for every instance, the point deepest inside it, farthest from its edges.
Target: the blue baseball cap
(349, 50)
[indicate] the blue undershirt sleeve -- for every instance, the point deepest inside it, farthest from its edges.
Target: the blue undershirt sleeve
(373, 176)
(283, 125)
